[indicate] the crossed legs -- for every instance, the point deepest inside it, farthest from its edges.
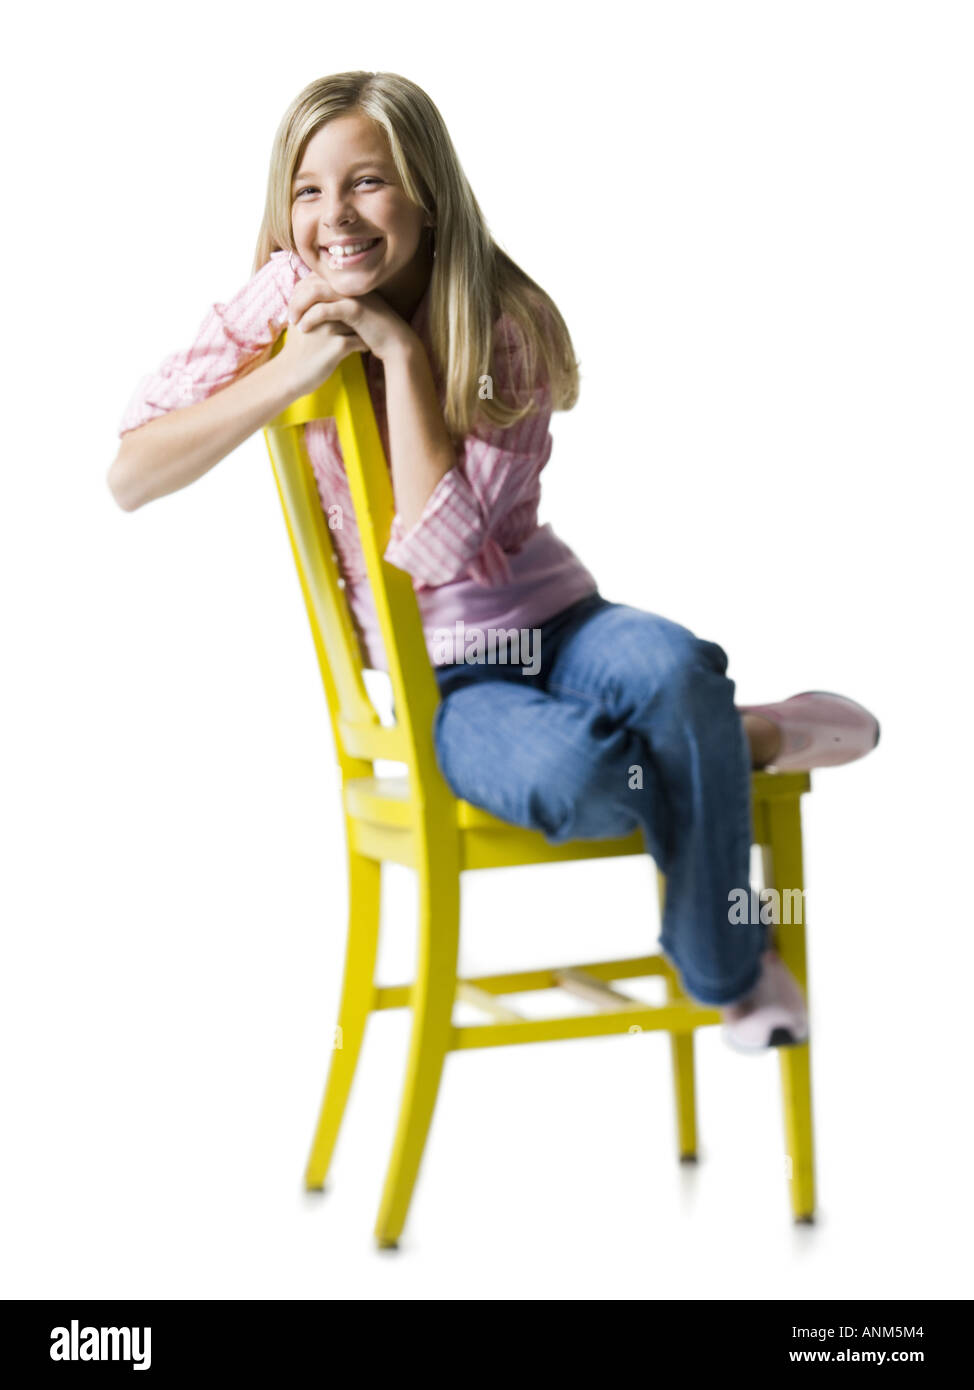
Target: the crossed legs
(631, 722)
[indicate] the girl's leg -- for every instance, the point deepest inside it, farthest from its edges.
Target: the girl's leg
(631, 675)
(545, 763)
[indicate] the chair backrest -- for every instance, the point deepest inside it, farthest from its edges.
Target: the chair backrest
(360, 737)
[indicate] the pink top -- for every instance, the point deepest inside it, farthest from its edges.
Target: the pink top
(477, 555)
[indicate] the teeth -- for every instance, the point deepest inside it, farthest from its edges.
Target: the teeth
(340, 251)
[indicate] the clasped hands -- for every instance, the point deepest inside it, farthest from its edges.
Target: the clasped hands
(377, 326)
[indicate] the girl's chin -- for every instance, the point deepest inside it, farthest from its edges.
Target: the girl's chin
(353, 289)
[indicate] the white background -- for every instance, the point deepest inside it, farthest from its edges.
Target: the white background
(757, 220)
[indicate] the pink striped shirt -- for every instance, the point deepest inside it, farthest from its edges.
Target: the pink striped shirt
(477, 555)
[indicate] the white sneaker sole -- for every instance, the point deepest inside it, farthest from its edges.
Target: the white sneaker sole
(780, 1037)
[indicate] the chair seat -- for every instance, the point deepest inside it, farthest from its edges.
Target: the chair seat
(386, 801)
(382, 820)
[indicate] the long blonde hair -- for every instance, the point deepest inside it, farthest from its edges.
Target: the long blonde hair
(473, 283)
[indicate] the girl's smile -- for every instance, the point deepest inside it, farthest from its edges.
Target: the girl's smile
(342, 255)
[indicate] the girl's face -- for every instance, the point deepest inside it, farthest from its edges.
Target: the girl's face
(346, 190)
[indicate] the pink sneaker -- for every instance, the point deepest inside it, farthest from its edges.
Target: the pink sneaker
(772, 1015)
(818, 729)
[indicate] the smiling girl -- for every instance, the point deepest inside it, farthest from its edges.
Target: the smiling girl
(373, 242)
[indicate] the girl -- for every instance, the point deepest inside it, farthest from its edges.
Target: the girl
(373, 242)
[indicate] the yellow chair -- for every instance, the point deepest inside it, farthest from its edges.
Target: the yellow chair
(416, 820)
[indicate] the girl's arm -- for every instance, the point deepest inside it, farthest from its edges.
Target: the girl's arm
(493, 474)
(205, 400)
(173, 450)
(420, 449)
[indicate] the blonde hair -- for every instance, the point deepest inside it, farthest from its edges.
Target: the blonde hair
(473, 283)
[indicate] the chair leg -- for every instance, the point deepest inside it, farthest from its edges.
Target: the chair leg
(684, 1087)
(796, 1091)
(358, 985)
(433, 993)
(783, 870)
(682, 1060)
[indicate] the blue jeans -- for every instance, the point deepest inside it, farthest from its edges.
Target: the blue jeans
(627, 721)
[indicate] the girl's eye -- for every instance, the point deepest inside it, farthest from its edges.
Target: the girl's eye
(310, 188)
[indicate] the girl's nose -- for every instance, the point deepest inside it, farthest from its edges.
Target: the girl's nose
(339, 216)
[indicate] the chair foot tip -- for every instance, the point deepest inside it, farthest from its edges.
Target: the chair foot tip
(383, 1244)
(689, 1158)
(808, 1220)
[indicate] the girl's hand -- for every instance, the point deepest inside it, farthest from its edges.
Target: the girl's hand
(310, 357)
(375, 323)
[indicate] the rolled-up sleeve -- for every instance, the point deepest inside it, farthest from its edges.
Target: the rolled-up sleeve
(495, 471)
(231, 340)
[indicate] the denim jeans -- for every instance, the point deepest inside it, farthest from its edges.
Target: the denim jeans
(627, 721)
